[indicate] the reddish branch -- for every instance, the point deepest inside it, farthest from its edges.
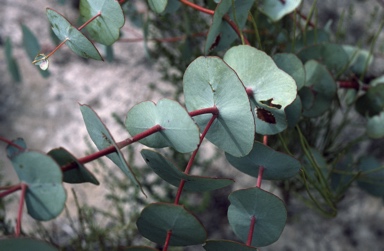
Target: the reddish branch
(351, 84)
(211, 12)
(251, 229)
(21, 206)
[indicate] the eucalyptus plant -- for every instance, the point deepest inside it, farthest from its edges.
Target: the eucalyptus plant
(240, 100)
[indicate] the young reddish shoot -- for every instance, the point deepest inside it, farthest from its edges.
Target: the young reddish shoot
(249, 91)
(21, 206)
(112, 149)
(10, 190)
(190, 162)
(251, 229)
(265, 140)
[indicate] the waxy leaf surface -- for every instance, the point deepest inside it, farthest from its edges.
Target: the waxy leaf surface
(319, 90)
(375, 126)
(171, 174)
(105, 29)
(158, 218)
(23, 243)
(32, 47)
(221, 34)
(268, 209)
(292, 65)
(209, 82)
(178, 128)
(78, 174)
(103, 139)
(45, 196)
(76, 41)
(333, 56)
(273, 89)
(276, 9)
(220, 245)
(373, 181)
(158, 6)
(12, 150)
(277, 166)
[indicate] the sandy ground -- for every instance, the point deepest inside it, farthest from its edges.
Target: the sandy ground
(45, 112)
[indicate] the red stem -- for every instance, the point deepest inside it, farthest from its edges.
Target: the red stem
(190, 162)
(90, 20)
(198, 7)
(112, 149)
(10, 190)
(265, 140)
(21, 206)
(167, 240)
(304, 17)
(352, 85)
(211, 12)
(250, 233)
(260, 176)
(9, 142)
(212, 110)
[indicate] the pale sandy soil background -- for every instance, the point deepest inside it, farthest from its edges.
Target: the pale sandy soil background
(46, 114)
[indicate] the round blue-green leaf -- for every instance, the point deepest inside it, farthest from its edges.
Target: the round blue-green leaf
(277, 165)
(273, 89)
(220, 245)
(209, 82)
(12, 150)
(292, 65)
(320, 87)
(79, 174)
(45, 196)
(140, 248)
(221, 35)
(178, 128)
(158, 6)
(268, 209)
(375, 126)
(32, 47)
(373, 181)
(23, 244)
(103, 139)
(158, 218)
(372, 102)
(310, 37)
(293, 112)
(105, 29)
(276, 9)
(171, 174)
(76, 41)
(333, 56)
(359, 59)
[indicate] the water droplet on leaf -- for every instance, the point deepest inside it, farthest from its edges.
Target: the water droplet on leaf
(42, 61)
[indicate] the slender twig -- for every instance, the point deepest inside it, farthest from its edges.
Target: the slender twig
(190, 162)
(90, 20)
(167, 240)
(21, 206)
(260, 176)
(9, 142)
(12, 189)
(251, 229)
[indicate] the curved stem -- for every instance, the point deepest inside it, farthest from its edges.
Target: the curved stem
(21, 206)
(211, 12)
(260, 176)
(90, 20)
(190, 162)
(9, 142)
(112, 149)
(10, 190)
(212, 110)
